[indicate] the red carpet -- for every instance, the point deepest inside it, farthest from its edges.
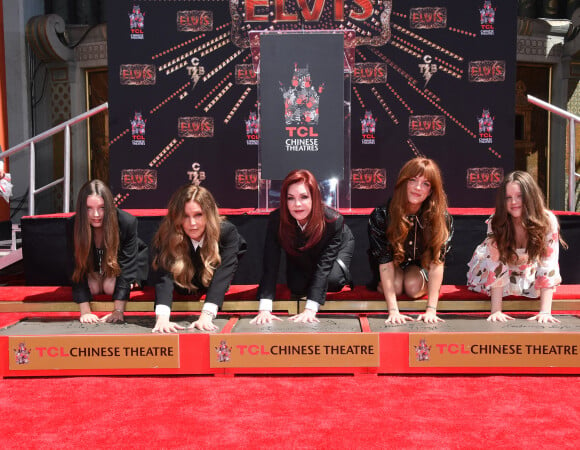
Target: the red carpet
(291, 412)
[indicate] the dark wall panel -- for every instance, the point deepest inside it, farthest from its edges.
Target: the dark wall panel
(433, 78)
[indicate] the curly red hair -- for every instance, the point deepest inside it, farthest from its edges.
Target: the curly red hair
(316, 223)
(433, 212)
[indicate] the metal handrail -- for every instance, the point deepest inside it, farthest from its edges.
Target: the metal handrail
(572, 118)
(31, 145)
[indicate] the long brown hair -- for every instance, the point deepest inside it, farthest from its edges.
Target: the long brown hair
(535, 219)
(316, 221)
(433, 212)
(83, 233)
(172, 244)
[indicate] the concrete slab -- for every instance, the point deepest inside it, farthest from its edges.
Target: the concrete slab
(466, 324)
(133, 325)
(334, 324)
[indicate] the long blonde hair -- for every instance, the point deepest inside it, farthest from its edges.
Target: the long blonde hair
(433, 216)
(83, 233)
(172, 243)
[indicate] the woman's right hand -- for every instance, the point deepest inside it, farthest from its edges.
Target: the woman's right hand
(264, 317)
(397, 318)
(498, 316)
(89, 318)
(163, 325)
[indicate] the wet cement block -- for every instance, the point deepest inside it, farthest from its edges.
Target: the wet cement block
(328, 324)
(132, 325)
(334, 324)
(477, 324)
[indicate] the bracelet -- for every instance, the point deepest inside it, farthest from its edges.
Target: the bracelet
(431, 307)
(208, 313)
(545, 312)
(119, 310)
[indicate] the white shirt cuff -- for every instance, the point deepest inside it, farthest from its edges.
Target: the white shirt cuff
(311, 304)
(162, 310)
(211, 307)
(266, 304)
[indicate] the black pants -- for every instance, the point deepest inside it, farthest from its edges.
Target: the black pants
(339, 276)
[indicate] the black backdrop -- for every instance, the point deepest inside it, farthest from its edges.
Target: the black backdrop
(426, 72)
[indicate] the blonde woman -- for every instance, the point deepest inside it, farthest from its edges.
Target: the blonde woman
(197, 251)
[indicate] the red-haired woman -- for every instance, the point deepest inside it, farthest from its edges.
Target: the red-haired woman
(409, 239)
(317, 243)
(106, 251)
(520, 253)
(197, 251)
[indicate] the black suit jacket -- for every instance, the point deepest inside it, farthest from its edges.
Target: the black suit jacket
(307, 272)
(231, 247)
(126, 257)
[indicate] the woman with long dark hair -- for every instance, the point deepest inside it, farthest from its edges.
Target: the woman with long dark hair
(519, 256)
(105, 251)
(197, 252)
(409, 238)
(317, 243)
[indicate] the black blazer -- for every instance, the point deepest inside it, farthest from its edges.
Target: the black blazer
(381, 251)
(307, 272)
(126, 257)
(231, 247)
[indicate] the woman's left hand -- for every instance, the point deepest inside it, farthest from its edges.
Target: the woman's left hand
(116, 316)
(307, 316)
(430, 316)
(544, 318)
(204, 323)
(264, 317)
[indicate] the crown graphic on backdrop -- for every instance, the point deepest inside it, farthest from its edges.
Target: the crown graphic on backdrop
(301, 99)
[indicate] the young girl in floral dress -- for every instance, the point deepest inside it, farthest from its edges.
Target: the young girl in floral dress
(519, 256)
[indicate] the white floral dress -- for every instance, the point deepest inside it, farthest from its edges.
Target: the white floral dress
(525, 278)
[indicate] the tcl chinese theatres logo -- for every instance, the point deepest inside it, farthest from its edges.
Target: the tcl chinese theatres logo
(137, 23)
(138, 129)
(423, 350)
(22, 354)
(487, 19)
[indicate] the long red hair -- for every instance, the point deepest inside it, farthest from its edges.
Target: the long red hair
(433, 212)
(316, 223)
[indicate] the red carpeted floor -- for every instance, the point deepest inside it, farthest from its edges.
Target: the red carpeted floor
(497, 412)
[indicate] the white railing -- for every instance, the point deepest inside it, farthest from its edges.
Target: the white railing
(30, 144)
(572, 119)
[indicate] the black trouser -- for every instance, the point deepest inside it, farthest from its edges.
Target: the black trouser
(339, 276)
